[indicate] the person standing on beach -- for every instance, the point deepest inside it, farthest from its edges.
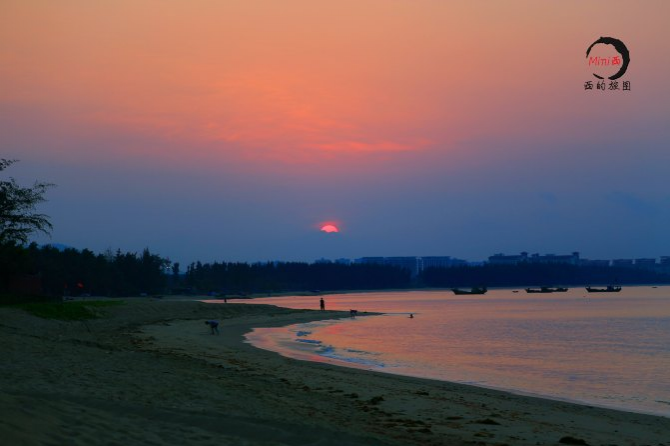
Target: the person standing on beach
(322, 303)
(214, 325)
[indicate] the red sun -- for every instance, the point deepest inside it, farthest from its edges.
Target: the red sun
(329, 228)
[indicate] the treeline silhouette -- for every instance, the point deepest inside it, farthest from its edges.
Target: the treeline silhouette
(243, 278)
(62, 272)
(530, 274)
(50, 271)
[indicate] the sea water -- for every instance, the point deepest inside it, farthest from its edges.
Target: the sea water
(603, 349)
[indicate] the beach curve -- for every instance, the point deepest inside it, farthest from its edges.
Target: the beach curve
(149, 372)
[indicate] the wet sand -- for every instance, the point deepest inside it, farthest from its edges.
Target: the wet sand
(149, 372)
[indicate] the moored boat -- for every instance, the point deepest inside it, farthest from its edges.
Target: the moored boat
(545, 289)
(474, 290)
(609, 289)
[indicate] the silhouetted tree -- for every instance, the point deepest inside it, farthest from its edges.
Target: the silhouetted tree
(75, 272)
(18, 218)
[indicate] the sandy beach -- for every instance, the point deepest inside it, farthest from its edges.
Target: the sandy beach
(150, 373)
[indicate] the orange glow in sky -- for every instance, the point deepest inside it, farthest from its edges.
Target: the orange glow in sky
(415, 122)
(296, 82)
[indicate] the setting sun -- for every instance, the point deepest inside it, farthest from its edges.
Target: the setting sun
(329, 228)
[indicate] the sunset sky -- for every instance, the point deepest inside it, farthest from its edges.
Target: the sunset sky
(233, 130)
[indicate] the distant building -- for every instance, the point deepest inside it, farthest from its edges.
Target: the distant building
(413, 264)
(645, 263)
(664, 265)
(410, 263)
(502, 259)
(371, 260)
(440, 262)
(338, 261)
(436, 262)
(571, 259)
(586, 262)
(416, 265)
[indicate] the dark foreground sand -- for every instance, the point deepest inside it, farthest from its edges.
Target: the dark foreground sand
(149, 373)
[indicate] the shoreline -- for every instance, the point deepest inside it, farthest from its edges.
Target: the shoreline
(650, 403)
(149, 371)
(300, 356)
(239, 331)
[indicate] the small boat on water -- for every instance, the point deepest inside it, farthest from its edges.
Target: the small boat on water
(546, 289)
(609, 289)
(474, 290)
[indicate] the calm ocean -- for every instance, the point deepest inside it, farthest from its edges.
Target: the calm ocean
(605, 349)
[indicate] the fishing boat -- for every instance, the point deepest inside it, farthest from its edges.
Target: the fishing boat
(474, 290)
(545, 289)
(609, 289)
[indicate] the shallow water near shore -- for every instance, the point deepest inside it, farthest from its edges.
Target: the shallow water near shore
(609, 349)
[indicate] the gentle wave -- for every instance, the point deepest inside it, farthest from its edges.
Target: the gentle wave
(347, 355)
(332, 353)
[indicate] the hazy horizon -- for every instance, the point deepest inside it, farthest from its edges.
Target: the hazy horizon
(232, 131)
